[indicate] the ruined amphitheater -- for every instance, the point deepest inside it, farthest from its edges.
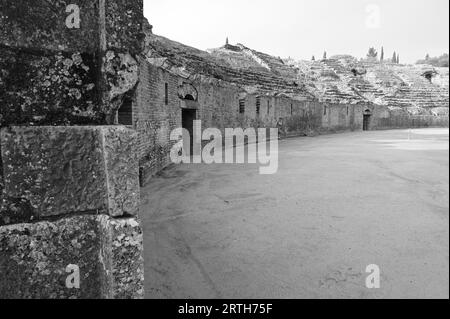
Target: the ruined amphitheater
(235, 86)
(86, 117)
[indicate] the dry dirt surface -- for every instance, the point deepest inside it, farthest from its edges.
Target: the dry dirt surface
(337, 204)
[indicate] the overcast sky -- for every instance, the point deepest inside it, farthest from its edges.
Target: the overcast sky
(300, 28)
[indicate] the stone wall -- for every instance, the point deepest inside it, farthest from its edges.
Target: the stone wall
(401, 119)
(337, 117)
(37, 259)
(218, 107)
(298, 97)
(69, 185)
(42, 25)
(49, 71)
(53, 74)
(78, 189)
(153, 119)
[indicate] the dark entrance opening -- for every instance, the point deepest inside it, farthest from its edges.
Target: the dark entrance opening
(188, 118)
(429, 76)
(366, 120)
(125, 112)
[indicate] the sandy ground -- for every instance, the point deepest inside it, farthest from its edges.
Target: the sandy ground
(337, 204)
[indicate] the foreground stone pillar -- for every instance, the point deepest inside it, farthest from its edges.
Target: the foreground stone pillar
(68, 225)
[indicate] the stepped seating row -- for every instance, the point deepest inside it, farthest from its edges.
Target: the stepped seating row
(329, 79)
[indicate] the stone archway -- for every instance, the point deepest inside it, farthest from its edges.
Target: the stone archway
(188, 95)
(187, 91)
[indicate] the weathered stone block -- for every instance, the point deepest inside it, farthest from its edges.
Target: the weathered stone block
(39, 260)
(124, 19)
(122, 164)
(55, 73)
(124, 250)
(42, 24)
(64, 170)
(40, 88)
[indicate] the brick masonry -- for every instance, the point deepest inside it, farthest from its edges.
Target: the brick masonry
(218, 107)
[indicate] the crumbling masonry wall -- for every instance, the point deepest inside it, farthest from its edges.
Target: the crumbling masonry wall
(153, 119)
(217, 106)
(69, 175)
(239, 87)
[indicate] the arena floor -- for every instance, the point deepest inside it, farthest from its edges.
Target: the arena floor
(337, 204)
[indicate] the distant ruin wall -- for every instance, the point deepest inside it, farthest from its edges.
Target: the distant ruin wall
(341, 117)
(69, 194)
(154, 116)
(404, 120)
(153, 119)
(218, 107)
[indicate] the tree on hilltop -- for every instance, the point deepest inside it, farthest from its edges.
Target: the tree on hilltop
(372, 54)
(394, 58)
(441, 61)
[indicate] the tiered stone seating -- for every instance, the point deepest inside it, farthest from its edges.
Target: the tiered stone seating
(337, 67)
(405, 87)
(329, 80)
(228, 63)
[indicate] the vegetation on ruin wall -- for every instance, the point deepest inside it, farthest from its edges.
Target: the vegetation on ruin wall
(441, 61)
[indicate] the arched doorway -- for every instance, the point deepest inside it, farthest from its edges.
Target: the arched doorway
(188, 95)
(188, 117)
(187, 91)
(366, 120)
